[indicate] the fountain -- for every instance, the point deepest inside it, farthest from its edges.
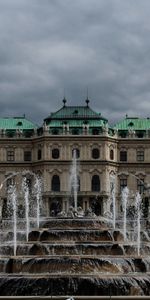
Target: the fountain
(74, 179)
(75, 254)
(138, 201)
(125, 195)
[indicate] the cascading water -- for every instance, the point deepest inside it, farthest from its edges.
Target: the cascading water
(74, 179)
(138, 202)
(124, 198)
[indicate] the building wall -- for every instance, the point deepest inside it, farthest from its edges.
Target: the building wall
(104, 166)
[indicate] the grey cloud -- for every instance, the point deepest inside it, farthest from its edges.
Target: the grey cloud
(48, 46)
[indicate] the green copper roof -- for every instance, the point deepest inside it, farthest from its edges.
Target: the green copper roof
(74, 112)
(75, 116)
(16, 123)
(133, 123)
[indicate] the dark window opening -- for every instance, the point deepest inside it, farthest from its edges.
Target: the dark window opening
(55, 131)
(111, 154)
(123, 155)
(55, 153)
(75, 131)
(39, 154)
(140, 134)
(95, 183)
(55, 183)
(123, 134)
(95, 153)
(27, 155)
(95, 131)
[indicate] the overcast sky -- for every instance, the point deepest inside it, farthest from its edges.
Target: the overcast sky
(49, 48)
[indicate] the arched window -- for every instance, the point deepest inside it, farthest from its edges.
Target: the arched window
(76, 152)
(95, 153)
(111, 154)
(95, 183)
(55, 153)
(55, 183)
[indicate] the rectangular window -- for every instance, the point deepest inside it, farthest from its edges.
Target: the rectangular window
(10, 155)
(140, 155)
(123, 155)
(27, 155)
(140, 185)
(123, 183)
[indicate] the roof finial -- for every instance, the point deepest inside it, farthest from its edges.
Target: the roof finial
(64, 101)
(87, 98)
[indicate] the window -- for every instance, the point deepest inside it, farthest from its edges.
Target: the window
(75, 131)
(55, 183)
(55, 153)
(55, 131)
(95, 153)
(95, 183)
(140, 134)
(122, 134)
(95, 131)
(27, 155)
(39, 154)
(140, 185)
(140, 155)
(123, 183)
(123, 155)
(111, 154)
(10, 155)
(76, 152)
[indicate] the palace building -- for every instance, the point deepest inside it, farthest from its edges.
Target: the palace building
(106, 154)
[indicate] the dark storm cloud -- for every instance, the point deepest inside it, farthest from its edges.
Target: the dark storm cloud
(51, 45)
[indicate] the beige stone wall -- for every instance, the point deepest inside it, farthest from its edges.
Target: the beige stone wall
(88, 166)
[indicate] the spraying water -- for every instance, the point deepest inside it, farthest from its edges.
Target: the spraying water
(113, 199)
(138, 201)
(124, 199)
(74, 178)
(38, 196)
(26, 196)
(13, 201)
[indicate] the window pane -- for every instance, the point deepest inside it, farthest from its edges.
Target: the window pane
(111, 154)
(55, 183)
(39, 154)
(140, 155)
(10, 155)
(55, 153)
(95, 183)
(95, 153)
(140, 185)
(123, 155)
(27, 155)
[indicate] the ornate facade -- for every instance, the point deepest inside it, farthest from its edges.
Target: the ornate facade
(104, 153)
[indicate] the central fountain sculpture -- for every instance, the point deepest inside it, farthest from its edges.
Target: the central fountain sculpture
(73, 254)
